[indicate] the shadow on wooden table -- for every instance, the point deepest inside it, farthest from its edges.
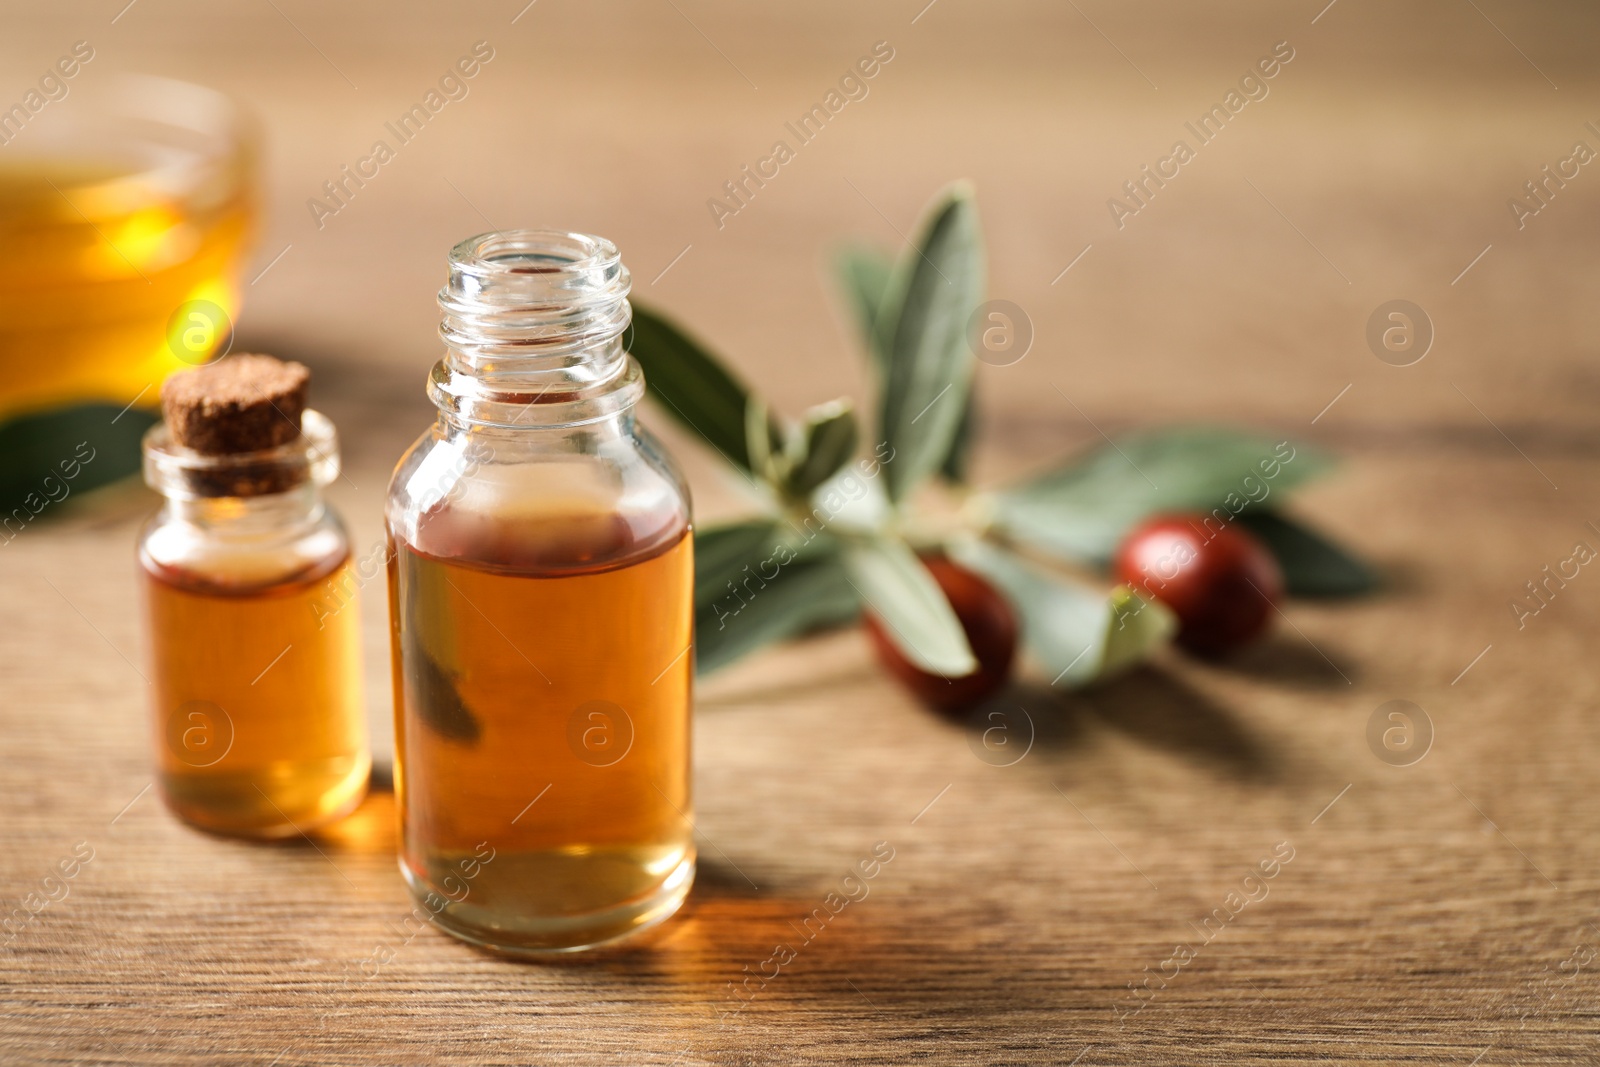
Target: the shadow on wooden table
(1153, 706)
(1164, 711)
(744, 968)
(1290, 660)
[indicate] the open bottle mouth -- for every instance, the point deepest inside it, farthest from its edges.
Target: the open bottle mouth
(537, 295)
(533, 323)
(182, 473)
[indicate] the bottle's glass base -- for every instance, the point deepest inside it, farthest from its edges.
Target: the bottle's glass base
(282, 800)
(534, 936)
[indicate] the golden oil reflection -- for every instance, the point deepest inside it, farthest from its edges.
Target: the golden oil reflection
(737, 956)
(734, 955)
(371, 828)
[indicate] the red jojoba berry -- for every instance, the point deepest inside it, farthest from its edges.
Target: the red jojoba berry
(991, 628)
(1221, 582)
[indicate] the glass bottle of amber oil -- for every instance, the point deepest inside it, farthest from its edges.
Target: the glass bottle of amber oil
(541, 608)
(254, 644)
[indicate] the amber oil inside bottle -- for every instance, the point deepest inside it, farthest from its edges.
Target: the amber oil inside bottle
(254, 644)
(541, 591)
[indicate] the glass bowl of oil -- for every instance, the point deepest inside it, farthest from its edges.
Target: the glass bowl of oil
(126, 210)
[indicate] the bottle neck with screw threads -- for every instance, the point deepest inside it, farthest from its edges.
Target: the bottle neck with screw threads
(533, 325)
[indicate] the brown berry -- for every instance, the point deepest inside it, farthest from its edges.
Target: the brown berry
(1219, 580)
(991, 629)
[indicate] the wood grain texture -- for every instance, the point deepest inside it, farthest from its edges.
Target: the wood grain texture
(1431, 914)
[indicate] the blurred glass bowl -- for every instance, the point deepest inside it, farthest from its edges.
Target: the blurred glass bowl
(126, 210)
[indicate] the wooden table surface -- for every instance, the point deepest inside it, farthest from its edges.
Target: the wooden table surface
(1446, 912)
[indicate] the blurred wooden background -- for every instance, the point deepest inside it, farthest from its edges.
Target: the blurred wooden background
(1442, 913)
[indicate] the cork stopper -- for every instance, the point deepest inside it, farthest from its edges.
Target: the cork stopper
(244, 403)
(243, 406)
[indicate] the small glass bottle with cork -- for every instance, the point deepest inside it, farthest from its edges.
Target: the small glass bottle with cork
(259, 717)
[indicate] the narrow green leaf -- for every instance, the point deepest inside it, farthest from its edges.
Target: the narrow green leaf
(1082, 510)
(954, 467)
(921, 335)
(1313, 566)
(762, 443)
(864, 276)
(722, 552)
(433, 697)
(847, 503)
(827, 441)
(1076, 633)
(896, 587)
(753, 587)
(691, 384)
(53, 455)
(432, 666)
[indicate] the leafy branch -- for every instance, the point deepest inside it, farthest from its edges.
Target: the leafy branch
(836, 538)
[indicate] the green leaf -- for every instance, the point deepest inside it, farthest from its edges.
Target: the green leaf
(1312, 565)
(921, 336)
(763, 441)
(917, 617)
(864, 275)
(954, 467)
(432, 661)
(433, 697)
(1076, 633)
(1136, 628)
(722, 552)
(692, 385)
(826, 441)
(1084, 509)
(780, 588)
(97, 443)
